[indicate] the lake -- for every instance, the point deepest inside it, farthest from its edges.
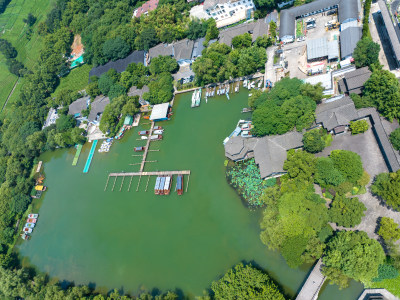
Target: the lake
(137, 241)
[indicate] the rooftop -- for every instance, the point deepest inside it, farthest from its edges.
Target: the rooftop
(182, 50)
(160, 111)
(161, 49)
(145, 8)
(393, 31)
(354, 81)
(348, 40)
(119, 65)
(97, 107)
(134, 91)
(78, 105)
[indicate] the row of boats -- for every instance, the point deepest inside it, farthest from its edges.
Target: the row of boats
(155, 135)
(196, 98)
(243, 128)
(163, 185)
(106, 145)
(29, 225)
(252, 84)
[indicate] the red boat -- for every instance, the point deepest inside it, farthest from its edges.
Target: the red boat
(139, 149)
(179, 185)
(157, 128)
(31, 220)
(143, 132)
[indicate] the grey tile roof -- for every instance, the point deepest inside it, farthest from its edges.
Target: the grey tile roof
(336, 113)
(182, 50)
(260, 28)
(78, 105)
(393, 31)
(97, 107)
(333, 49)
(161, 49)
(317, 48)
(349, 39)
(226, 35)
(353, 82)
(270, 152)
(119, 65)
(348, 8)
(134, 91)
(198, 47)
(388, 152)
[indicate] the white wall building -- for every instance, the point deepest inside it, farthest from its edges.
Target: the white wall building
(224, 12)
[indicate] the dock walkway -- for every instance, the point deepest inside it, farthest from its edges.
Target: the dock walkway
(313, 284)
(146, 150)
(78, 152)
(156, 173)
(89, 159)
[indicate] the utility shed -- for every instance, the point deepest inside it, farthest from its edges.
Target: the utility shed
(348, 41)
(159, 112)
(333, 50)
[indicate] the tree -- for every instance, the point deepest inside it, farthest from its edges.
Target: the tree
(359, 126)
(361, 102)
(162, 64)
(263, 41)
(348, 163)
(116, 90)
(196, 29)
(212, 30)
(146, 39)
(160, 89)
(326, 173)
(246, 282)
(300, 165)
(353, 255)
(105, 83)
(389, 230)
(387, 186)
(65, 122)
(116, 48)
(7, 49)
(313, 140)
(242, 41)
(346, 212)
(315, 92)
(30, 20)
(395, 138)
(383, 89)
(366, 53)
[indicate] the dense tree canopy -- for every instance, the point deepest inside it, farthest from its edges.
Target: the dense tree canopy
(387, 186)
(313, 140)
(395, 138)
(383, 90)
(246, 282)
(282, 109)
(359, 126)
(352, 255)
(389, 230)
(115, 49)
(346, 212)
(348, 163)
(366, 53)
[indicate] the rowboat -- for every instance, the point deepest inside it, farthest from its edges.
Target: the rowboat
(27, 230)
(34, 216)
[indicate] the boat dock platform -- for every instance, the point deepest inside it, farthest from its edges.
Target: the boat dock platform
(313, 284)
(146, 150)
(140, 174)
(78, 152)
(89, 159)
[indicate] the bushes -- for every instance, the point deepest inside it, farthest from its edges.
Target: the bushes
(348, 163)
(386, 271)
(327, 174)
(395, 138)
(359, 126)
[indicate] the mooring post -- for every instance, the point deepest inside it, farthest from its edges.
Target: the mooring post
(137, 188)
(114, 183)
(130, 182)
(187, 183)
(107, 183)
(122, 183)
(148, 178)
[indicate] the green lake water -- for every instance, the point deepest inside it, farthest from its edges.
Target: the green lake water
(138, 240)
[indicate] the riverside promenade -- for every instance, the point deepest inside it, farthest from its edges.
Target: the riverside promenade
(313, 284)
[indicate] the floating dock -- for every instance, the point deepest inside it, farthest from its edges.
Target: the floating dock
(89, 159)
(78, 152)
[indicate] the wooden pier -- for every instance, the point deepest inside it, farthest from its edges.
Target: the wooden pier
(146, 150)
(313, 284)
(140, 174)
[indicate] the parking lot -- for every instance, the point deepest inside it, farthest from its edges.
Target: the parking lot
(296, 53)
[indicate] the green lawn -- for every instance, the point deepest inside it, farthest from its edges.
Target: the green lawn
(13, 29)
(392, 285)
(76, 80)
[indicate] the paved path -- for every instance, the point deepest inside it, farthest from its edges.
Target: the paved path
(269, 66)
(9, 96)
(313, 284)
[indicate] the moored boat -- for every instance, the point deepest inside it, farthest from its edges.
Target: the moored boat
(157, 186)
(139, 149)
(25, 236)
(157, 128)
(27, 230)
(143, 132)
(31, 220)
(156, 137)
(167, 185)
(179, 184)
(30, 225)
(160, 131)
(161, 187)
(34, 216)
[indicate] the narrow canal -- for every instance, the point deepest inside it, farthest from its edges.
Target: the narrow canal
(137, 240)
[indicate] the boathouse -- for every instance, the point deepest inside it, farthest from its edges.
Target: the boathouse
(160, 112)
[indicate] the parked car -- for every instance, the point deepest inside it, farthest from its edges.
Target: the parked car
(301, 38)
(311, 26)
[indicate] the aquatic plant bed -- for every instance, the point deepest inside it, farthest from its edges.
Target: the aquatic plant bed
(245, 177)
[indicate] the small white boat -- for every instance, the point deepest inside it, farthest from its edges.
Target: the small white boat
(34, 216)
(27, 230)
(158, 131)
(143, 137)
(245, 83)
